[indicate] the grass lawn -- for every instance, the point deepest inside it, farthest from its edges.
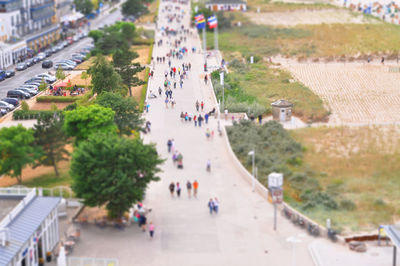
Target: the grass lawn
(315, 41)
(362, 164)
(263, 84)
(269, 6)
(49, 180)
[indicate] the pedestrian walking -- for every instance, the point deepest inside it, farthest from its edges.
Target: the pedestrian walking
(260, 119)
(181, 83)
(211, 206)
(202, 105)
(208, 133)
(197, 105)
(174, 84)
(178, 190)
(166, 102)
(151, 230)
(189, 188)
(169, 145)
(172, 188)
(159, 91)
(172, 103)
(195, 188)
(200, 119)
(195, 120)
(216, 205)
(206, 118)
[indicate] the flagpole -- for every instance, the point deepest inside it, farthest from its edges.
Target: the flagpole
(204, 44)
(216, 37)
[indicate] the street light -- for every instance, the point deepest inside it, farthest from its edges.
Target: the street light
(253, 154)
(221, 80)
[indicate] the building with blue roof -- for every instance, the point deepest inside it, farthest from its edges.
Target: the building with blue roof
(29, 229)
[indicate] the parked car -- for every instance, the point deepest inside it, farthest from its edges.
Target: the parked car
(47, 64)
(21, 66)
(7, 106)
(12, 101)
(3, 75)
(41, 56)
(29, 91)
(29, 62)
(30, 86)
(34, 79)
(47, 76)
(48, 52)
(78, 55)
(36, 83)
(77, 60)
(63, 66)
(65, 43)
(70, 62)
(18, 94)
(10, 73)
(70, 40)
(3, 112)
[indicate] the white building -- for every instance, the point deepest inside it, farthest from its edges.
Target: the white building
(28, 226)
(9, 53)
(226, 5)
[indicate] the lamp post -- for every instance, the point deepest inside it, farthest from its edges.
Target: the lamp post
(221, 80)
(253, 154)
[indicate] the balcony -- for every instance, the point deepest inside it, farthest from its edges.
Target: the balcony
(42, 5)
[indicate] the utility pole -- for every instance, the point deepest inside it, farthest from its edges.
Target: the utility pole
(216, 37)
(204, 45)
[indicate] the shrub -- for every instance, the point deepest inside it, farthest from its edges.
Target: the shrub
(71, 107)
(24, 106)
(32, 114)
(57, 99)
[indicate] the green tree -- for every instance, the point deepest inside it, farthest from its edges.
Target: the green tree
(134, 8)
(60, 73)
(104, 77)
(96, 35)
(43, 85)
(85, 76)
(86, 120)
(113, 171)
(16, 150)
(122, 60)
(50, 136)
(127, 116)
(84, 6)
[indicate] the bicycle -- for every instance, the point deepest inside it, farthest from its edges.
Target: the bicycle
(313, 229)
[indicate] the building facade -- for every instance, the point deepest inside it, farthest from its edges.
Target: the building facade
(29, 226)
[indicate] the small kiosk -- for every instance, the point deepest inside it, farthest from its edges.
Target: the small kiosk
(282, 110)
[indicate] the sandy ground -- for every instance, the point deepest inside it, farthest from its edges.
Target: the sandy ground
(47, 106)
(356, 93)
(313, 17)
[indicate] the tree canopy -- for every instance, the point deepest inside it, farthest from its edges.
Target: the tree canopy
(84, 6)
(122, 60)
(16, 150)
(104, 77)
(134, 8)
(87, 120)
(50, 136)
(127, 116)
(113, 171)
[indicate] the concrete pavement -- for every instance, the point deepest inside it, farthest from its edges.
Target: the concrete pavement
(186, 234)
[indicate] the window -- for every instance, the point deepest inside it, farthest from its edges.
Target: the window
(12, 20)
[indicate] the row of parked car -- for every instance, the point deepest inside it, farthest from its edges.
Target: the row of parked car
(29, 89)
(76, 58)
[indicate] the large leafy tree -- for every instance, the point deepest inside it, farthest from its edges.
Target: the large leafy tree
(113, 171)
(84, 6)
(50, 136)
(122, 60)
(134, 8)
(127, 116)
(104, 77)
(17, 150)
(87, 120)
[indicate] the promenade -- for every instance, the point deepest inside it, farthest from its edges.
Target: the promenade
(185, 233)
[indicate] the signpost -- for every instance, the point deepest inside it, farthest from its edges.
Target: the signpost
(275, 183)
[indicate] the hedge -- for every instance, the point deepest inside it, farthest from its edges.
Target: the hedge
(57, 99)
(32, 114)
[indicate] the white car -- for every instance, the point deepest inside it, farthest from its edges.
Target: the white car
(47, 77)
(31, 87)
(6, 106)
(41, 56)
(63, 66)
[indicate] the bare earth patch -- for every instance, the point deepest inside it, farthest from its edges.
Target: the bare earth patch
(356, 94)
(310, 17)
(47, 106)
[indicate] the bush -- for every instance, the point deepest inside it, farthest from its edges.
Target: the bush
(71, 107)
(24, 106)
(57, 99)
(32, 114)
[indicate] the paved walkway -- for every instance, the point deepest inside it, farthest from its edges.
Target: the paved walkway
(186, 234)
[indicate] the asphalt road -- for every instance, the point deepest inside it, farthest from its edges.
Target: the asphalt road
(21, 76)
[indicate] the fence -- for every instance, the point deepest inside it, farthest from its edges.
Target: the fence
(74, 261)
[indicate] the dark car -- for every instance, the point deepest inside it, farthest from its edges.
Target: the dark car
(47, 64)
(29, 62)
(21, 66)
(36, 59)
(18, 94)
(10, 73)
(12, 101)
(27, 90)
(77, 60)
